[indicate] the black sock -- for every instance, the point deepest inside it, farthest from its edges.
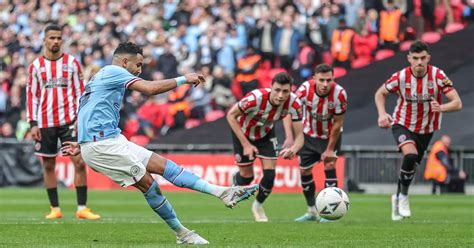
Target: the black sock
(266, 185)
(407, 173)
(81, 193)
(331, 179)
(53, 197)
(307, 183)
(240, 180)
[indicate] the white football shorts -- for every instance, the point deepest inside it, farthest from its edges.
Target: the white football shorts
(119, 159)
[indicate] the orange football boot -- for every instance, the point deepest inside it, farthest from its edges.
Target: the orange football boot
(87, 214)
(54, 214)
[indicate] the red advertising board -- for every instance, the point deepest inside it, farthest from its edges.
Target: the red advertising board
(214, 168)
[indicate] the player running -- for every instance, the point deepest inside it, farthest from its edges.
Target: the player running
(417, 115)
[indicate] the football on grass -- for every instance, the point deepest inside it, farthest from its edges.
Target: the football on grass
(332, 203)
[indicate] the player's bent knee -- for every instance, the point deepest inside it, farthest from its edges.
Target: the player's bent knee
(268, 179)
(409, 161)
(145, 183)
(79, 165)
(49, 163)
(306, 172)
(330, 166)
(242, 180)
(246, 171)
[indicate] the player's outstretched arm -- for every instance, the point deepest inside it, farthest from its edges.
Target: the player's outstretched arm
(384, 119)
(161, 86)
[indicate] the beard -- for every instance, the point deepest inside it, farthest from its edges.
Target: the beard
(55, 49)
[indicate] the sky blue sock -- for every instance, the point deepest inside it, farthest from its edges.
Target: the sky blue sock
(162, 207)
(180, 177)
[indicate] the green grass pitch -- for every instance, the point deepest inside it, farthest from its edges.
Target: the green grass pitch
(127, 221)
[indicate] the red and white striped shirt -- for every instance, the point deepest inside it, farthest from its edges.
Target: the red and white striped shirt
(53, 91)
(320, 110)
(260, 115)
(413, 109)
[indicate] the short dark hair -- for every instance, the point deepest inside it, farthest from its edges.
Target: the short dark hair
(52, 27)
(323, 68)
(282, 78)
(128, 48)
(418, 47)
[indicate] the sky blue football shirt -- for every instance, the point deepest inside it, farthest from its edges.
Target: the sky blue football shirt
(99, 105)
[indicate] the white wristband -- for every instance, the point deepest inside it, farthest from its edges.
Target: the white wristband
(180, 80)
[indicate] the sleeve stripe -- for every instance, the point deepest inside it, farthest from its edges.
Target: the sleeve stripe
(447, 90)
(130, 82)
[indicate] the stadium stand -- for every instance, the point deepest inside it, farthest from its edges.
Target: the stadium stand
(183, 36)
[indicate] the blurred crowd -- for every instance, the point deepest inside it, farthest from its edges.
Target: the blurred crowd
(237, 44)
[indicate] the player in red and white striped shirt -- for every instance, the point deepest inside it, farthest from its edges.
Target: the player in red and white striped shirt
(417, 115)
(324, 102)
(252, 121)
(53, 91)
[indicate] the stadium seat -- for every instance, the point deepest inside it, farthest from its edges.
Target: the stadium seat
(405, 46)
(439, 14)
(384, 54)
(453, 27)
(267, 76)
(339, 72)
(360, 62)
(192, 123)
(141, 140)
(131, 127)
(275, 71)
(214, 115)
(431, 37)
(327, 58)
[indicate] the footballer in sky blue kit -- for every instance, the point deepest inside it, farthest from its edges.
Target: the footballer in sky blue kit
(107, 151)
(100, 104)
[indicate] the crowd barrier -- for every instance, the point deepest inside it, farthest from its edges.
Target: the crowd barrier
(364, 164)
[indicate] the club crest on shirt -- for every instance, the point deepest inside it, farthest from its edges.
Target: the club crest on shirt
(430, 85)
(402, 138)
(331, 105)
(245, 102)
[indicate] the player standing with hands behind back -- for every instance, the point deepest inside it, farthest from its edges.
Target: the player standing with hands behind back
(417, 115)
(53, 91)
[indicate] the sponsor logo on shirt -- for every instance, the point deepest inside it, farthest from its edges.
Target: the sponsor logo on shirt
(56, 83)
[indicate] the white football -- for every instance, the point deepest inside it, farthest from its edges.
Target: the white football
(332, 203)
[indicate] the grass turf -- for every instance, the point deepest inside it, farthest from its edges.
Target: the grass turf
(438, 221)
